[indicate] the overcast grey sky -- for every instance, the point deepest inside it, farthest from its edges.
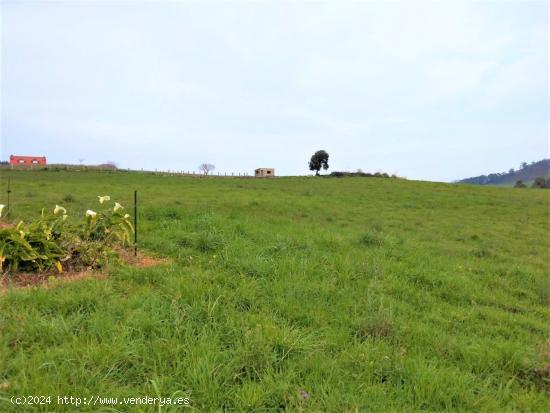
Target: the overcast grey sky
(435, 91)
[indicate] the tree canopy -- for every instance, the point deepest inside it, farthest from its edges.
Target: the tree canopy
(318, 160)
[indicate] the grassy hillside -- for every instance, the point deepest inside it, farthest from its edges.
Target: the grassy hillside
(366, 294)
(527, 174)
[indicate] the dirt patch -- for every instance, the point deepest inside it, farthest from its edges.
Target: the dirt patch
(5, 224)
(46, 280)
(50, 278)
(140, 259)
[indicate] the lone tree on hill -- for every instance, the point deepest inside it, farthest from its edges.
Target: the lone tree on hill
(318, 160)
(206, 168)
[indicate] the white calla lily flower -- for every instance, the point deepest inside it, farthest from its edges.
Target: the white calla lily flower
(58, 209)
(91, 214)
(126, 216)
(104, 198)
(117, 207)
(2, 206)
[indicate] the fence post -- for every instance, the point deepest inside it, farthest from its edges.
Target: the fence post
(9, 192)
(135, 222)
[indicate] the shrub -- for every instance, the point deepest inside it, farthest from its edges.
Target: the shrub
(32, 247)
(359, 173)
(520, 184)
(51, 241)
(541, 182)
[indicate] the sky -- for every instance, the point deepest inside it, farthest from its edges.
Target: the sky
(433, 90)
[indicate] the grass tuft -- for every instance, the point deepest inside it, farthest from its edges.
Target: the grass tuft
(372, 239)
(68, 199)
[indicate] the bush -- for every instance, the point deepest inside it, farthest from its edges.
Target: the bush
(359, 173)
(51, 241)
(541, 182)
(32, 247)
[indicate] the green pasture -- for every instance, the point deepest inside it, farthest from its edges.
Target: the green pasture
(292, 294)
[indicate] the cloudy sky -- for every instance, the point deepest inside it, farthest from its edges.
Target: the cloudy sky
(435, 91)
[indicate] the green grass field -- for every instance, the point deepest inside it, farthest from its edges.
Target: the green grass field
(367, 294)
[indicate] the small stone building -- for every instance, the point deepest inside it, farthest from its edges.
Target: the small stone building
(264, 172)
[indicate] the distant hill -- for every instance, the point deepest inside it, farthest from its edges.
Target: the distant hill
(527, 173)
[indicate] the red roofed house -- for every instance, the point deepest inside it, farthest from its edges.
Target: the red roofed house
(27, 160)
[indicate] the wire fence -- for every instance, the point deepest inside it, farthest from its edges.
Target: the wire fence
(197, 174)
(111, 168)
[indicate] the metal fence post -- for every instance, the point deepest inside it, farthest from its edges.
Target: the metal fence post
(135, 222)
(9, 192)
